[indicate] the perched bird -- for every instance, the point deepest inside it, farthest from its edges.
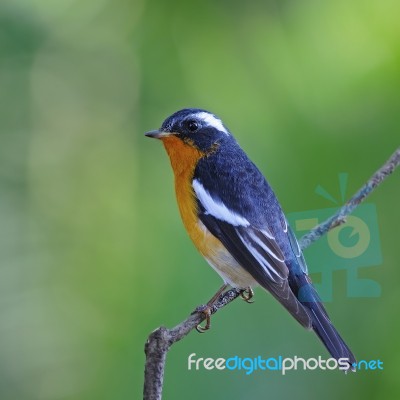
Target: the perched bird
(236, 222)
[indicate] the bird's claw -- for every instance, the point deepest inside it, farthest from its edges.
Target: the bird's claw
(247, 294)
(206, 311)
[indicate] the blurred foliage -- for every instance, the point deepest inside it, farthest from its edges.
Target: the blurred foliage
(93, 254)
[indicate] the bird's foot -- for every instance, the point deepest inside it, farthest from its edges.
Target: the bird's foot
(247, 295)
(206, 311)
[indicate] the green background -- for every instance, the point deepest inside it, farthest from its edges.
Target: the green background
(93, 255)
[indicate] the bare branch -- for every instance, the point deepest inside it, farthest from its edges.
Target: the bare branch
(340, 216)
(160, 341)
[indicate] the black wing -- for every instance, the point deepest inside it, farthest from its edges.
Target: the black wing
(259, 254)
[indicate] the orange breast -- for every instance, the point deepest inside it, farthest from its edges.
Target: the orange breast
(184, 159)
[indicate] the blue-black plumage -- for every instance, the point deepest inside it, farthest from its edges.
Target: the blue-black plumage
(233, 204)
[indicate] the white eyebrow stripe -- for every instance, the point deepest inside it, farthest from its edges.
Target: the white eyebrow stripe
(216, 208)
(213, 121)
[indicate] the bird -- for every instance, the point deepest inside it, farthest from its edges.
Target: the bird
(236, 222)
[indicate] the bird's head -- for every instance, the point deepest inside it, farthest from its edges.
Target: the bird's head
(192, 127)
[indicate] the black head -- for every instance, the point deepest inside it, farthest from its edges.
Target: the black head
(194, 126)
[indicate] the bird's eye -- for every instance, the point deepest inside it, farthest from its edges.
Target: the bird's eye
(192, 125)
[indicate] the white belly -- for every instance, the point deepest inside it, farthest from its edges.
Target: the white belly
(229, 269)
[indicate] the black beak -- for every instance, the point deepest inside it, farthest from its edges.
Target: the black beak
(157, 134)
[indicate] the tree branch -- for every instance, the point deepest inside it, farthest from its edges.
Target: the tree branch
(339, 217)
(160, 340)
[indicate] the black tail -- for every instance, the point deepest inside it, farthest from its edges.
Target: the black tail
(323, 327)
(329, 336)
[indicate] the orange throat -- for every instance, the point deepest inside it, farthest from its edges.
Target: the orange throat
(184, 159)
